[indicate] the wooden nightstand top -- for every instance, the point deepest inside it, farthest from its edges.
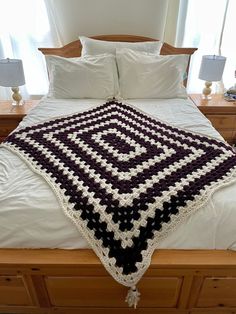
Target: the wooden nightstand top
(217, 105)
(8, 110)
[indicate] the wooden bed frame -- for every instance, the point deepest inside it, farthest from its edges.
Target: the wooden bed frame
(64, 281)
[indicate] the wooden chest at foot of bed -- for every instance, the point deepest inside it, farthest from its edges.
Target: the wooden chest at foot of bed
(58, 281)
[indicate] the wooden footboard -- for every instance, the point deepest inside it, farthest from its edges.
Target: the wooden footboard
(60, 281)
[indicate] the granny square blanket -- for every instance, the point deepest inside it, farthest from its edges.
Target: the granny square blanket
(124, 178)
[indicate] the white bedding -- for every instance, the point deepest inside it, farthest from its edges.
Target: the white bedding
(30, 215)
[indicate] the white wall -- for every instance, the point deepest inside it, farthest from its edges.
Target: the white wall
(97, 17)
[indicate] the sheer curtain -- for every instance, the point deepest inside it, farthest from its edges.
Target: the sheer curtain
(210, 27)
(25, 26)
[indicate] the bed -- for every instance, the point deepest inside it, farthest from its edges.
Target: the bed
(193, 270)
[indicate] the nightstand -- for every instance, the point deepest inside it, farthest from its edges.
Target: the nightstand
(220, 112)
(11, 116)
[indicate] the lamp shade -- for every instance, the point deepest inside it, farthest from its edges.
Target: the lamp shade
(212, 68)
(11, 73)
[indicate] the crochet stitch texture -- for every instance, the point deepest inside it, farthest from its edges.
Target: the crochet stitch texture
(124, 178)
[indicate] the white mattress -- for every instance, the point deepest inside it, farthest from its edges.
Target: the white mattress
(30, 215)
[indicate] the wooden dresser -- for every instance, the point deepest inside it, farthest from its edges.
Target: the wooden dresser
(11, 116)
(221, 113)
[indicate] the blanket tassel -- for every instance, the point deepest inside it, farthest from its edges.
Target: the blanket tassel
(133, 296)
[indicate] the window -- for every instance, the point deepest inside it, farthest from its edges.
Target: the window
(210, 26)
(24, 26)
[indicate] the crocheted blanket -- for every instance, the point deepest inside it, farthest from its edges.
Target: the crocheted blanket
(124, 178)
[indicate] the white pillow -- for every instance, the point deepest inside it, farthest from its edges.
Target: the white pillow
(52, 60)
(143, 75)
(94, 47)
(90, 77)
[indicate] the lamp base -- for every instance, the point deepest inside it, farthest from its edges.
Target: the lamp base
(206, 92)
(206, 97)
(16, 96)
(18, 103)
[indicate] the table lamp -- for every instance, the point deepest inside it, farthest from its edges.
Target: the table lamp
(12, 75)
(211, 70)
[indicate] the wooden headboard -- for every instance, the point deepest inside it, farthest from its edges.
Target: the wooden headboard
(73, 49)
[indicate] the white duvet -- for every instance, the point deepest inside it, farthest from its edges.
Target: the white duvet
(30, 215)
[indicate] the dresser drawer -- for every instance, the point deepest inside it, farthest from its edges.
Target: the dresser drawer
(217, 292)
(13, 291)
(11, 116)
(7, 126)
(229, 136)
(220, 112)
(90, 291)
(223, 122)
